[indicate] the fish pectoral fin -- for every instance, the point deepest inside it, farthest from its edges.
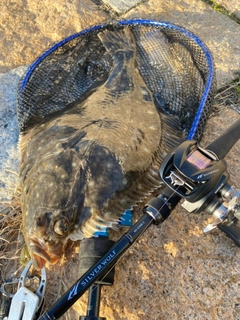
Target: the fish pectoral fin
(74, 139)
(121, 45)
(115, 41)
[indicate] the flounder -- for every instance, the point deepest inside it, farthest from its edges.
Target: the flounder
(82, 167)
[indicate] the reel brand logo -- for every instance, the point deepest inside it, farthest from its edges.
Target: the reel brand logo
(206, 174)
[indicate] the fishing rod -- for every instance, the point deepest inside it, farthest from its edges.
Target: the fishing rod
(198, 176)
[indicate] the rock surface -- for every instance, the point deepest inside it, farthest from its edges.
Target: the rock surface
(232, 6)
(27, 28)
(9, 155)
(121, 6)
(174, 271)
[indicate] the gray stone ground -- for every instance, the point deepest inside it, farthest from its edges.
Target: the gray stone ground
(174, 272)
(232, 6)
(9, 157)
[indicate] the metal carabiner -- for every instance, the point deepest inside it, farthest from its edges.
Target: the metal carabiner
(25, 303)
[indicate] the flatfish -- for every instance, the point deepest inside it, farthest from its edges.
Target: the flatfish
(81, 168)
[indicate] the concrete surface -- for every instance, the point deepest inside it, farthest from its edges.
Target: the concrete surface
(9, 156)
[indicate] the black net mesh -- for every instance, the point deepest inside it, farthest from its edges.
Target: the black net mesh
(98, 113)
(172, 62)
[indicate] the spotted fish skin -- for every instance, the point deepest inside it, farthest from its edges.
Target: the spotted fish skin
(81, 168)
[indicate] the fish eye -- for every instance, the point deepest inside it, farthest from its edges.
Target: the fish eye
(61, 227)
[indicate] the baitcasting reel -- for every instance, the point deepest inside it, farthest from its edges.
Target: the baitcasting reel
(200, 177)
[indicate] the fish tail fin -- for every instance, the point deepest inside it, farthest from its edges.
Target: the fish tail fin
(117, 41)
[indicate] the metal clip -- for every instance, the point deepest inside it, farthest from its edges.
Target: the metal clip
(4, 289)
(26, 303)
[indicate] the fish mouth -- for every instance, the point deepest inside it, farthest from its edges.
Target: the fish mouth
(40, 254)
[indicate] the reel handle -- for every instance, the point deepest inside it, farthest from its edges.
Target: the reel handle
(231, 230)
(200, 177)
